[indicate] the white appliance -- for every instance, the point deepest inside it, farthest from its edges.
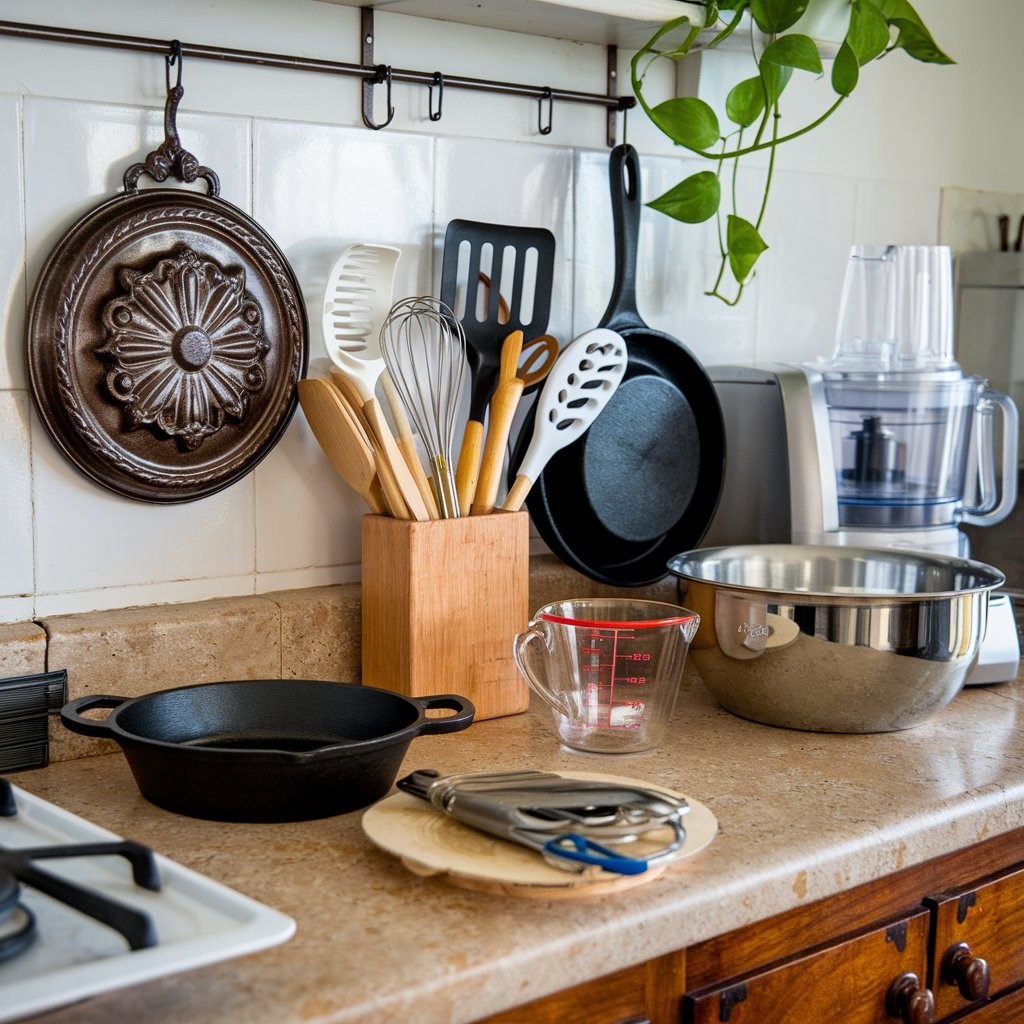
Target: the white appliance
(52, 954)
(887, 444)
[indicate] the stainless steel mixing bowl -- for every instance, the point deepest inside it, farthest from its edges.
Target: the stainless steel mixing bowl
(834, 639)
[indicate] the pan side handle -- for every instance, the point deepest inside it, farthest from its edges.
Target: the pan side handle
(71, 714)
(452, 723)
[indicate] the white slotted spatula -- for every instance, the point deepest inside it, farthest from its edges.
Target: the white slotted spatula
(356, 303)
(585, 376)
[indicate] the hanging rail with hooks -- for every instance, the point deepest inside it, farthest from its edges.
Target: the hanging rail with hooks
(372, 74)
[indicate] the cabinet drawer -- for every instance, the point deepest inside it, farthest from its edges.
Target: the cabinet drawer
(844, 981)
(979, 938)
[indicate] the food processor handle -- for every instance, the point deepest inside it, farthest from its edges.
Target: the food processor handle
(1008, 498)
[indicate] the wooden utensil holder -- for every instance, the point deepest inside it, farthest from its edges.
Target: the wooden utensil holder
(442, 601)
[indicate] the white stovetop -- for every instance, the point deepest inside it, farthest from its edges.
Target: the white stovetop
(198, 921)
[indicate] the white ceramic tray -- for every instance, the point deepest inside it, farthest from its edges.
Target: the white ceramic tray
(198, 921)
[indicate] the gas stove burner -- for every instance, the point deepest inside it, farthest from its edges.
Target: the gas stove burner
(17, 865)
(17, 931)
(104, 937)
(17, 922)
(8, 808)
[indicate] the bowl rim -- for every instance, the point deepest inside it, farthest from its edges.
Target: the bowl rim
(794, 553)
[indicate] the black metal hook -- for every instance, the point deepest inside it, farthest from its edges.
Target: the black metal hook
(435, 115)
(544, 129)
(171, 158)
(383, 75)
(172, 59)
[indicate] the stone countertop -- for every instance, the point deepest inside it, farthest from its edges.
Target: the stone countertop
(801, 816)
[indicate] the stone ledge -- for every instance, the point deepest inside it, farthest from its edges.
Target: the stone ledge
(311, 633)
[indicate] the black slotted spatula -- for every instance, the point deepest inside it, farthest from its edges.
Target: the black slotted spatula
(497, 279)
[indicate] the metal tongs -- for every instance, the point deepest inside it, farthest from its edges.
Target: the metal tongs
(570, 822)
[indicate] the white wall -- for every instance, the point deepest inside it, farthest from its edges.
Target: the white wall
(291, 151)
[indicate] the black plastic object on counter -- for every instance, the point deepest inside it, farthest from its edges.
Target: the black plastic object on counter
(26, 702)
(266, 749)
(644, 481)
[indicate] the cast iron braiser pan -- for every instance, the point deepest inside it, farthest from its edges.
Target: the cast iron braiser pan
(266, 749)
(644, 481)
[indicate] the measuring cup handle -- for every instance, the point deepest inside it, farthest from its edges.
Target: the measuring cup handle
(533, 634)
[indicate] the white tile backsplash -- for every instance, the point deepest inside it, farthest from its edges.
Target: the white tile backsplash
(15, 496)
(317, 191)
(88, 538)
(12, 245)
(809, 228)
(895, 213)
(289, 151)
(516, 184)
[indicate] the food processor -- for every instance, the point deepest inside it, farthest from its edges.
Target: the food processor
(902, 414)
(886, 444)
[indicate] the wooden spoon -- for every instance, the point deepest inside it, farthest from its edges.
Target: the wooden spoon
(342, 444)
(387, 462)
(499, 423)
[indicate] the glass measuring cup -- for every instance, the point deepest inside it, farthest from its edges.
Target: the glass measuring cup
(609, 669)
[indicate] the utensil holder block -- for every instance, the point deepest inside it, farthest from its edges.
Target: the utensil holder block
(442, 601)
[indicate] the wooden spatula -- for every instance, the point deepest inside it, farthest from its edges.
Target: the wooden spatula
(342, 444)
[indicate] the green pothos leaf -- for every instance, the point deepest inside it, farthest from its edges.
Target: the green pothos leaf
(693, 200)
(775, 78)
(772, 16)
(917, 42)
(914, 37)
(745, 245)
(793, 51)
(745, 102)
(845, 70)
(688, 121)
(868, 34)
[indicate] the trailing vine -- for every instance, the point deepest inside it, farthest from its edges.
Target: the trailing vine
(752, 113)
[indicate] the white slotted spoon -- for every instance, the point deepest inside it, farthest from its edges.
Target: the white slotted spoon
(356, 303)
(585, 376)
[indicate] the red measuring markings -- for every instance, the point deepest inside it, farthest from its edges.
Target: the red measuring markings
(600, 656)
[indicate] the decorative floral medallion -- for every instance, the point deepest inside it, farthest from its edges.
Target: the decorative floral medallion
(187, 347)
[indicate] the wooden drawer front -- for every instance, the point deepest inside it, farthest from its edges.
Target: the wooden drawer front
(844, 982)
(1004, 1010)
(989, 920)
(646, 994)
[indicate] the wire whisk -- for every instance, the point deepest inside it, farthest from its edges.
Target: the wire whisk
(424, 350)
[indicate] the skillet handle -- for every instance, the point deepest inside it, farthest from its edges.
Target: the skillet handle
(452, 723)
(624, 179)
(71, 714)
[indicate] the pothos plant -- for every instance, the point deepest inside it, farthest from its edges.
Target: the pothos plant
(752, 119)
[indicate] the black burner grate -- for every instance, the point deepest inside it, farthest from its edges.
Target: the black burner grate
(17, 865)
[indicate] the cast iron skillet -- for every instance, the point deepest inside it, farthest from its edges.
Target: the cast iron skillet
(266, 749)
(644, 481)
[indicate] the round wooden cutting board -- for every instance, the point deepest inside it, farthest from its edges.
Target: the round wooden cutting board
(429, 842)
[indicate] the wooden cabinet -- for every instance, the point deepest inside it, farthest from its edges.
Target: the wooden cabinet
(978, 948)
(939, 941)
(851, 980)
